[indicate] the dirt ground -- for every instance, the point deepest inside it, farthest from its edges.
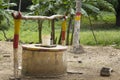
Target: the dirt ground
(86, 66)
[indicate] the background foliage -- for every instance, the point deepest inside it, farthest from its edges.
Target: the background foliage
(103, 22)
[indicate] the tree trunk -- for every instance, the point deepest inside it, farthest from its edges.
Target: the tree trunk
(77, 48)
(118, 14)
(40, 30)
(77, 24)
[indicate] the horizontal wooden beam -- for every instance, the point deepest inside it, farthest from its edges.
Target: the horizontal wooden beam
(42, 17)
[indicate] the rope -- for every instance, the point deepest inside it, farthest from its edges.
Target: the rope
(19, 6)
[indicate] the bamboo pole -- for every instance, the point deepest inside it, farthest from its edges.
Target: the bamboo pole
(42, 17)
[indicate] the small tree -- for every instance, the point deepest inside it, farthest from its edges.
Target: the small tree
(3, 27)
(4, 15)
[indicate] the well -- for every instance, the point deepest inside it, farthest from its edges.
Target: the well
(43, 61)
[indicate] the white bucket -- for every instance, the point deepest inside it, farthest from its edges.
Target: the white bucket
(46, 40)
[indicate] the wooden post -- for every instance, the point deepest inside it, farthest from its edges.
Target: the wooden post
(40, 30)
(63, 31)
(17, 22)
(52, 32)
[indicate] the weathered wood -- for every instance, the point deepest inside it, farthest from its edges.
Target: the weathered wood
(42, 17)
(40, 23)
(15, 63)
(52, 32)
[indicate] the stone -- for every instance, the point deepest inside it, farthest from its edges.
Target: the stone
(105, 71)
(79, 61)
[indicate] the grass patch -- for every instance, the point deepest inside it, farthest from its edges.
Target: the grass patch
(104, 38)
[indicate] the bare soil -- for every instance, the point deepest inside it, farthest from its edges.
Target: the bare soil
(84, 66)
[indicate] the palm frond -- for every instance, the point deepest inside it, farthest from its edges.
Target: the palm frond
(91, 8)
(84, 12)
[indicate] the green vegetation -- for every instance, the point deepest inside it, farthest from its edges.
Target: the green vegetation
(103, 23)
(105, 31)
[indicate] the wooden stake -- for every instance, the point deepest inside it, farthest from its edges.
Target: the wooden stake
(17, 22)
(52, 32)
